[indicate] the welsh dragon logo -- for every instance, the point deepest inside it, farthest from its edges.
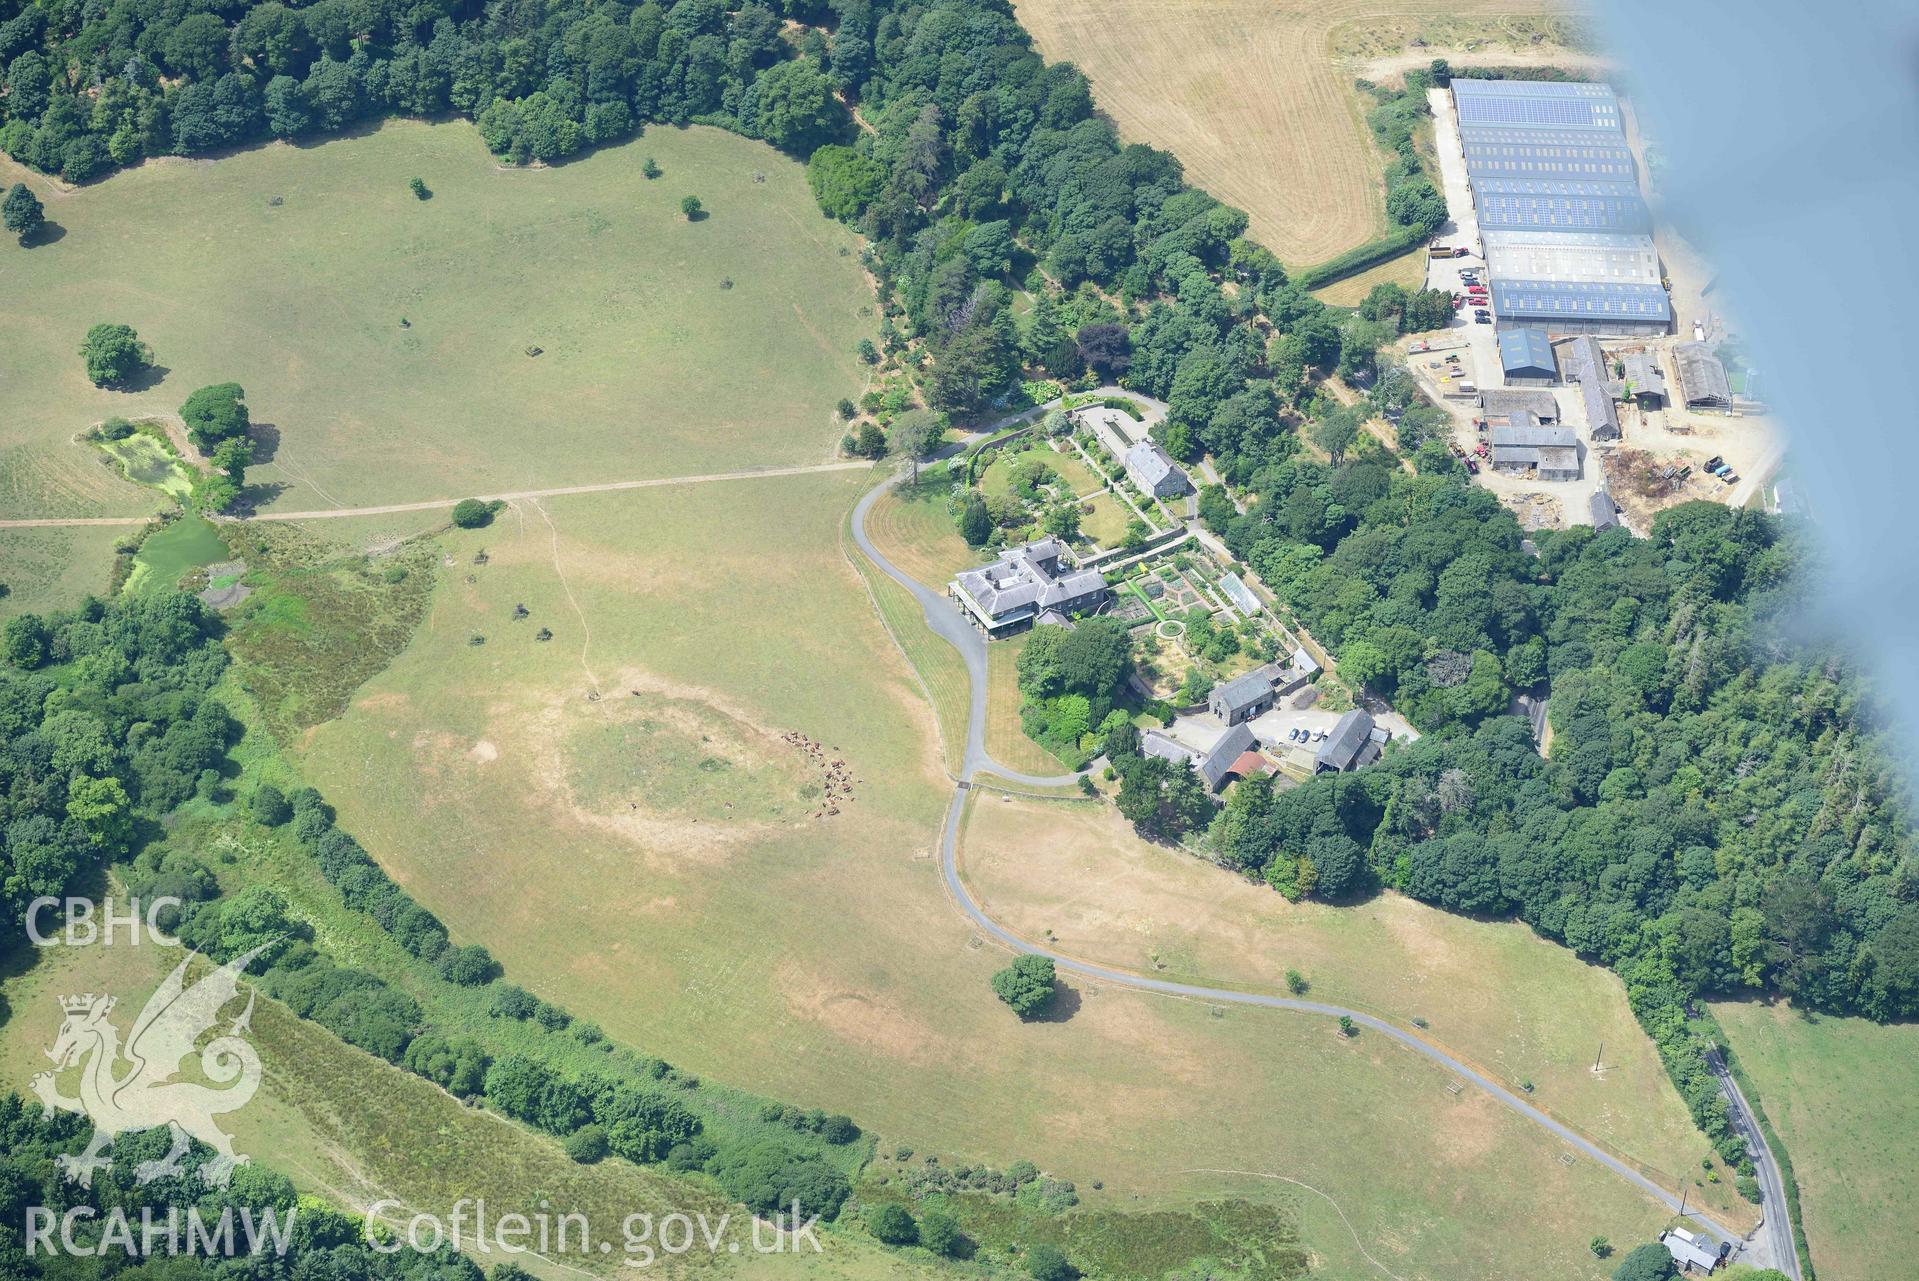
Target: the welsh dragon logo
(147, 1095)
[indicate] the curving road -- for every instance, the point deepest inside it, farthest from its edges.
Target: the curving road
(946, 620)
(1772, 1244)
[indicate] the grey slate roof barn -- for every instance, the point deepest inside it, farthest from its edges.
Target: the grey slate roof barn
(1605, 512)
(1218, 763)
(1503, 403)
(1550, 453)
(1351, 744)
(1702, 378)
(1243, 697)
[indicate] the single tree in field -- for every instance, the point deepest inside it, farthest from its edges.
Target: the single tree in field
(418, 188)
(1346, 1026)
(22, 212)
(690, 206)
(650, 168)
(114, 355)
(214, 414)
(1027, 984)
(975, 521)
(1296, 983)
(915, 434)
(471, 513)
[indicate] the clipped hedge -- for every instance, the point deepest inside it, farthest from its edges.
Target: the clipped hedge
(1354, 261)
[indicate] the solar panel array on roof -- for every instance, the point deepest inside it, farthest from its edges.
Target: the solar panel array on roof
(1563, 213)
(1579, 299)
(1566, 233)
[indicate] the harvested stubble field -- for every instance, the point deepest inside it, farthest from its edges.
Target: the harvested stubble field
(1255, 97)
(383, 340)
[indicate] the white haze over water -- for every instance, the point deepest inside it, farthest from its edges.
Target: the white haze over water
(1792, 132)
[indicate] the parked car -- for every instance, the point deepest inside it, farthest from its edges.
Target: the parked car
(1482, 318)
(1472, 467)
(1712, 464)
(1730, 478)
(1459, 300)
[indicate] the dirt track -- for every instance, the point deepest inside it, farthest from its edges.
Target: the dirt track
(389, 509)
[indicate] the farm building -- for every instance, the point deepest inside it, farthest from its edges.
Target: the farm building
(1156, 743)
(1614, 308)
(1605, 512)
(1561, 204)
(1572, 256)
(1702, 379)
(1243, 697)
(1567, 236)
(1692, 1254)
(1550, 453)
(1150, 468)
(1025, 583)
(1504, 404)
(1586, 367)
(1235, 756)
(1526, 357)
(1355, 741)
(1645, 380)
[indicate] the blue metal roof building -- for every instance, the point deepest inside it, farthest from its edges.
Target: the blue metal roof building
(1526, 356)
(1581, 306)
(1517, 212)
(1567, 236)
(1537, 103)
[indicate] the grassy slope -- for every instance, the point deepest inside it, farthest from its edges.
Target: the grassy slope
(650, 367)
(819, 961)
(45, 569)
(1843, 1095)
(354, 1129)
(1494, 994)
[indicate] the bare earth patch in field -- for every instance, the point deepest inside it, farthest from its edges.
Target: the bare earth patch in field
(823, 964)
(1247, 94)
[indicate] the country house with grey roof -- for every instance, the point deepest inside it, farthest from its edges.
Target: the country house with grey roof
(1154, 471)
(1026, 582)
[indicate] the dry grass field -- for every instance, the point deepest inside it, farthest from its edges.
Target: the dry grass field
(385, 340)
(1843, 1095)
(1255, 97)
(817, 959)
(1496, 995)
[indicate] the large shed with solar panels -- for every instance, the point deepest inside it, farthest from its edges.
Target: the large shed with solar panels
(1567, 236)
